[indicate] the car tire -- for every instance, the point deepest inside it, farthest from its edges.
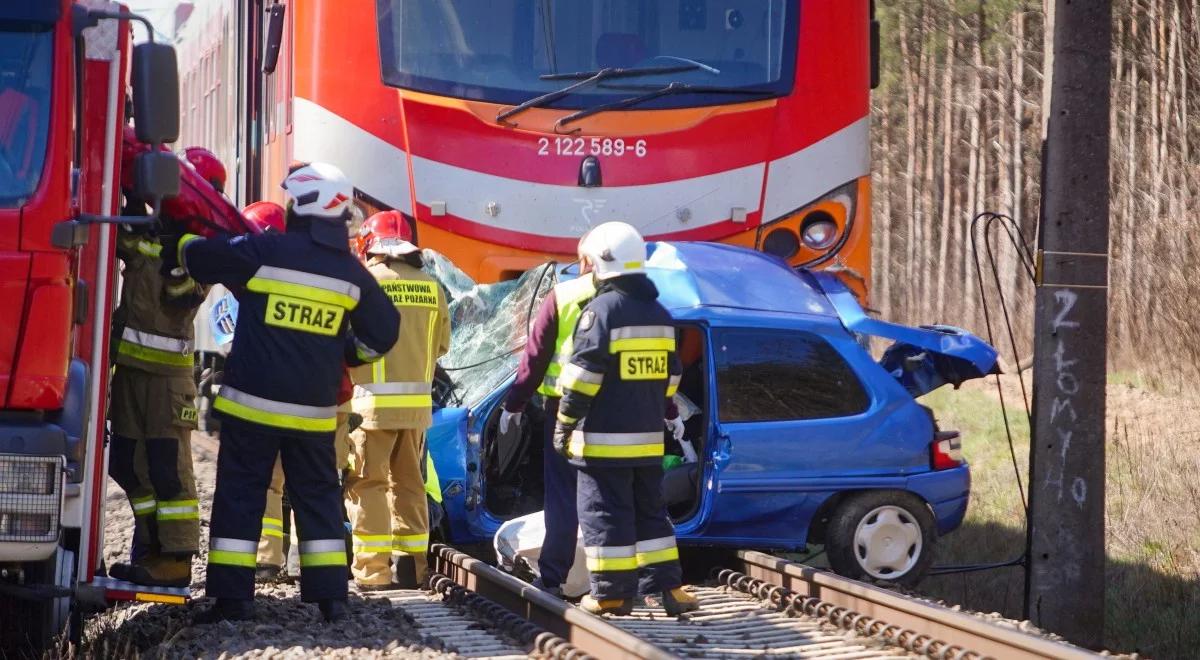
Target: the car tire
(882, 536)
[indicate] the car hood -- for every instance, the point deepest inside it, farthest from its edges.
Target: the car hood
(921, 358)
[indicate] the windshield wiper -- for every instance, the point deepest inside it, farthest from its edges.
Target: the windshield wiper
(585, 79)
(669, 90)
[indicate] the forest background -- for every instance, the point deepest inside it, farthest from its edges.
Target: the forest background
(958, 131)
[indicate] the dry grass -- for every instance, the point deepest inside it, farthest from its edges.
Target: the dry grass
(1153, 515)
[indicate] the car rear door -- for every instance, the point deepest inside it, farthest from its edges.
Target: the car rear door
(795, 420)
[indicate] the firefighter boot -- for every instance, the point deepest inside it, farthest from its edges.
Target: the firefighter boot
(226, 609)
(677, 601)
(333, 609)
(162, 571)
(120, 570)
(617, 606)
(267, 573)
(406, 567)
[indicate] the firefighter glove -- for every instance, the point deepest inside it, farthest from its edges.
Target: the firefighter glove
(676, 426)
(562, 436)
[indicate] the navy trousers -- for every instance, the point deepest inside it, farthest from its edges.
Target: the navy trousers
(558, 548)
(244, 466)
(629, 539)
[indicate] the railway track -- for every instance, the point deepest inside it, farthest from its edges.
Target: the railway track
(762, 605)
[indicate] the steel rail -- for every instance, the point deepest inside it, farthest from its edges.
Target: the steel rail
(589, 634)
(922, 627)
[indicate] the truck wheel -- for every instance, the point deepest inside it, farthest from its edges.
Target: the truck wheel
(32, 627)
(882, 536)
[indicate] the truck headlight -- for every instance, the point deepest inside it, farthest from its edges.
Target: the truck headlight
(21, 477)
(30, 498)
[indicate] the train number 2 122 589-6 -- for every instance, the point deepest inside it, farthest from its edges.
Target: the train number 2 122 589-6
(579, 146)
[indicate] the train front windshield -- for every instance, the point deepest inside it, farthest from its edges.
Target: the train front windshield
(502, 50)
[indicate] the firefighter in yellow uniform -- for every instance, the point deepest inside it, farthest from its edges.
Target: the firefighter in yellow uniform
(152, 414)
(385, 491)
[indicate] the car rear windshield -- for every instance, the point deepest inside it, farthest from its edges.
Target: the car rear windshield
(25, 58)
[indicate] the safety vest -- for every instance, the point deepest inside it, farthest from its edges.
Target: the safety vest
(570, 298)
(433, 485)
(396, 391)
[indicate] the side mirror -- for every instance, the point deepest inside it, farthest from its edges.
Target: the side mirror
(156, 175)
(274, 38)
(155, 93)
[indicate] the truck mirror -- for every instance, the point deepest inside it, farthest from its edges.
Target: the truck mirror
(155, 94)
(156, 175)
(274, 38)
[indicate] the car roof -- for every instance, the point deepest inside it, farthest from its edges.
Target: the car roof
(693, 276)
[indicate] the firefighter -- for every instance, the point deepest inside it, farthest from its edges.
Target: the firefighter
(306, 306)
(385, 493)
(546, 351)
(615, 386)
(152, 412)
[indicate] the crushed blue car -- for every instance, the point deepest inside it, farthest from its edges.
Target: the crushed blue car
(803, 437)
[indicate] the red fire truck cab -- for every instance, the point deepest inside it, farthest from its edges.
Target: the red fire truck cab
(65, 69)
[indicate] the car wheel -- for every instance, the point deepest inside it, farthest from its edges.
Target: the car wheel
(882, 536)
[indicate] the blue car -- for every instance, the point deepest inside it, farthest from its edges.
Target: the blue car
(803, 437)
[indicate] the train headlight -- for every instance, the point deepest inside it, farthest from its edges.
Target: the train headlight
(782, 243)
(819, 231)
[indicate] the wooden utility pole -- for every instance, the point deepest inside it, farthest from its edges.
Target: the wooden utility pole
(1065, 575)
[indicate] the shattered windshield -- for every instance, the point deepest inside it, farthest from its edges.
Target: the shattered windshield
(489, 323)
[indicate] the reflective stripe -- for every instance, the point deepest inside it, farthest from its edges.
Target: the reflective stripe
(291, 416)
(641, 338)
(272, 527)
(642, 332)
(661, 543)
(392, 395)
(153, 355)
(365, 353)
(611, 558)
(181, 288)
(392, 388)
(586, 444)
(179, 510)
(377, 543)
(181, 252)
(575, 377)
(567, 419)
(232, 552)
(430, 330)
(658, 556)
(143, 505)
(150, 340)
(673, 385)
(326, 552)
(149, 249)
(288, 282)
(411, 544)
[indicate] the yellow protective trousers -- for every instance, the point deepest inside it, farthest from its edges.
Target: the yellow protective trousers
(270, 545)
(385, 498)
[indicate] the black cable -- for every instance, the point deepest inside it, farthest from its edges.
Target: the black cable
(1017, 237)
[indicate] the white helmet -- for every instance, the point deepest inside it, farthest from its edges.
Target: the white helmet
(318, 189)
(615, 249)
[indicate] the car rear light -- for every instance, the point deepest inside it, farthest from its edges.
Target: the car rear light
(946, 450)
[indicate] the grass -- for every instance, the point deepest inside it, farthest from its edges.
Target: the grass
(1153, 514)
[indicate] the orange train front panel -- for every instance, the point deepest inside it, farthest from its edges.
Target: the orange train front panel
(753, 116)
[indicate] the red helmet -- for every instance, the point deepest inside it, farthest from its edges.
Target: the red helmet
(385, 233)
(267, 217)
(207, 165)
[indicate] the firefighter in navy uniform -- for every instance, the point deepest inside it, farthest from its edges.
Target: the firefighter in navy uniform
(307, 307)
(622, 371)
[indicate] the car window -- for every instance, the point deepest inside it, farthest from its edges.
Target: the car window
(767, 375)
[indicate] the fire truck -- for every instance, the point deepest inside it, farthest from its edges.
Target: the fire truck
(66, 67)
(504, 130)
